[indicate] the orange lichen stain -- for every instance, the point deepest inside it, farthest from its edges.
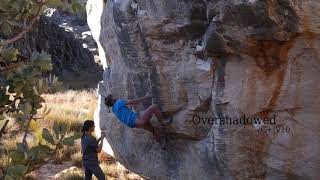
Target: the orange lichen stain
(307, 32)
(272, 58)
(253, 149)
(270, 55)
(306, 23)
(271, 8)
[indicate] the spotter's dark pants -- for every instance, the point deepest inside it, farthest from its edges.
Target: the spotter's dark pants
(93, 169)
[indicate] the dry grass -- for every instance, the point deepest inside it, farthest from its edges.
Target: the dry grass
(65, 154)
(109, 165)
(104, 157)
(77, 159)
(112, 171)
(70, 108)
(72, 175)
(31, 176)
(117, 171)
(4, 161)
(11, 144)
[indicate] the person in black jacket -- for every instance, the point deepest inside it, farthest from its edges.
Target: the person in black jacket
(90, 149)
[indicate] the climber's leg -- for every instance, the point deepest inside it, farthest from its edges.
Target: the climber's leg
(144, 125)
(144, 122)
(146, 115)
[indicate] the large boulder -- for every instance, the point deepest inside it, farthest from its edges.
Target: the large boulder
(211, 64)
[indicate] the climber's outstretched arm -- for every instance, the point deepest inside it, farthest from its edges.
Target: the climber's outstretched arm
(138, 100)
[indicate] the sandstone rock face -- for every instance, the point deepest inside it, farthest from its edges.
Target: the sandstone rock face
(210, 59)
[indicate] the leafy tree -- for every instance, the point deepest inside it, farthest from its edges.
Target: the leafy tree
(22, 82)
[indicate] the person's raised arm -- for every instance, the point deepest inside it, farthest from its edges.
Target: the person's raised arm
(138, 100)
(100, 143)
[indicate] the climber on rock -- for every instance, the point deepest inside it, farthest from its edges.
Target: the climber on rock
(134, 119)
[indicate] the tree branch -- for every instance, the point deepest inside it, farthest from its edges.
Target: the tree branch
(11, 66)
(56, 149)
(8, 107)
(4, 67)
(2, 131)
(24, 31)
(26, 131)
